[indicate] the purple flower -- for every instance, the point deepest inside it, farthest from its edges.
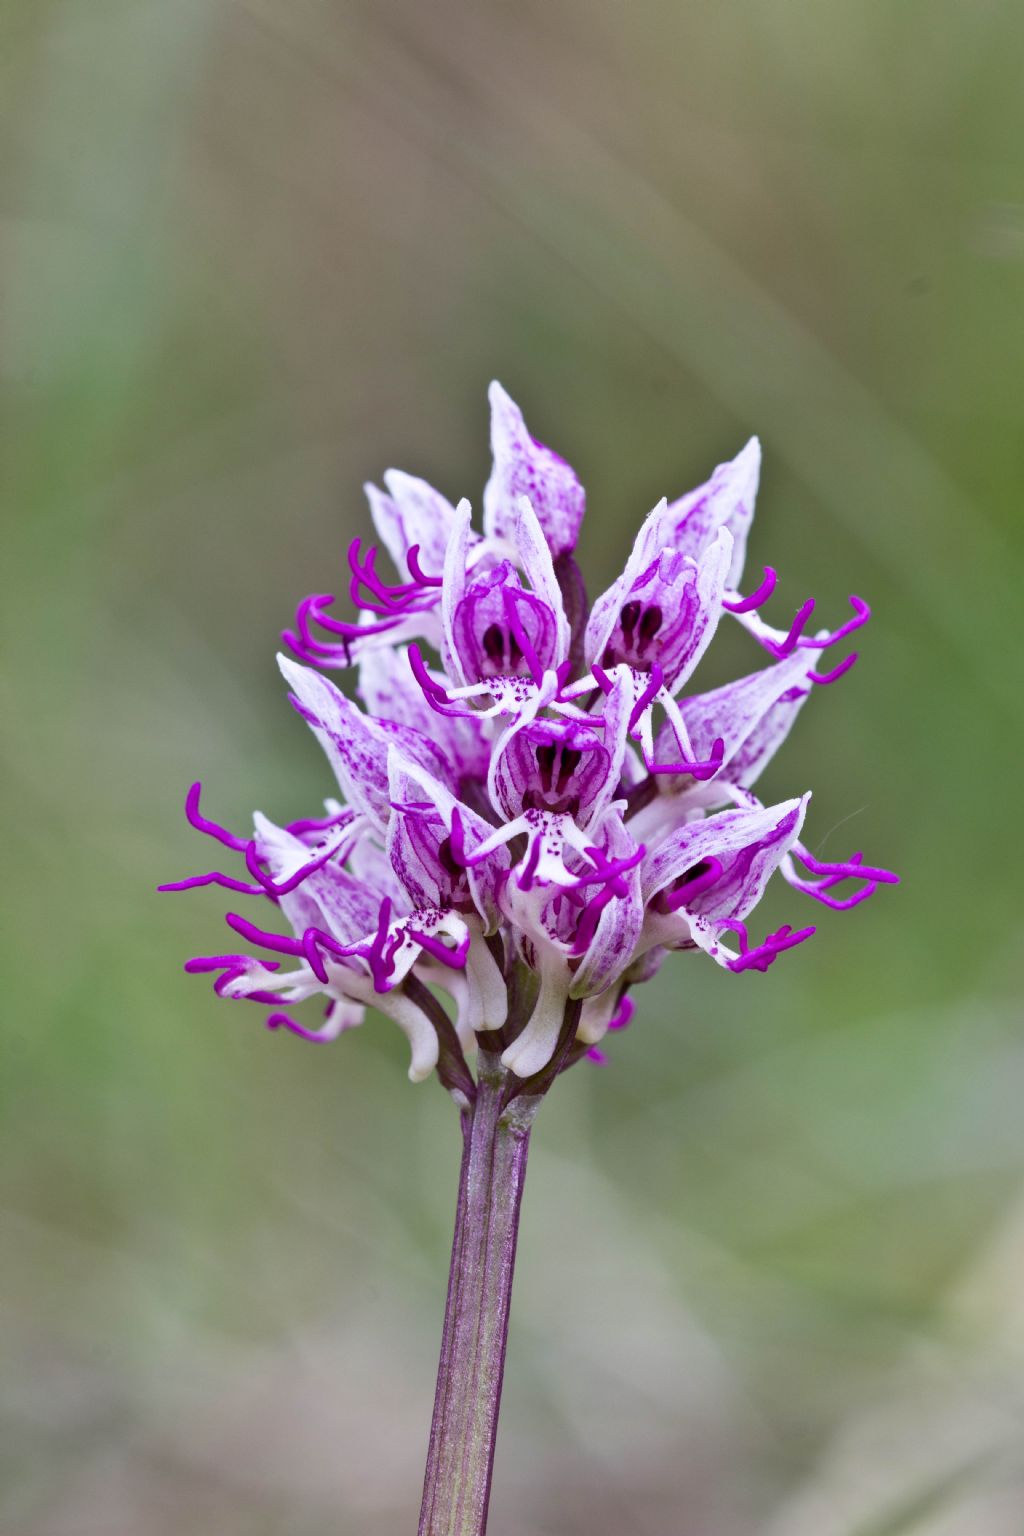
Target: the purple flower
(535, 805)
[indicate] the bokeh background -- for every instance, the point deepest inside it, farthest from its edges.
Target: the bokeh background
(255, 251)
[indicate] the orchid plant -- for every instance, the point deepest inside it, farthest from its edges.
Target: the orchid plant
(533, 811)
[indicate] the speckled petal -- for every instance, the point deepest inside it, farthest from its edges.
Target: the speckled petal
(749, 844)
(525, 467)
(725, 501)
(356, 746)
(411, 513)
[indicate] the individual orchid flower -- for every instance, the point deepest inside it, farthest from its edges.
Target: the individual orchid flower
(426, 847)
(414, 523)
(727, 501)
(342, 946)
(737, 727)
(705, 879)
(657, 620)
(536, 809)
(578, 933)
(754, 717)
(550, 781)
(506, 646)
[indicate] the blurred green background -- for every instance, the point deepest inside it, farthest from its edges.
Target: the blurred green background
(255, 251)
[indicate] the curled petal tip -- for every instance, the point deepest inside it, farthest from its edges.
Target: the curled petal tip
(760, 595)
(824, 678)
(788, 646)
(762, 955)
(861, 615)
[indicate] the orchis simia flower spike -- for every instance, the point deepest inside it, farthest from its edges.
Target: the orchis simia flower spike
(534, 807)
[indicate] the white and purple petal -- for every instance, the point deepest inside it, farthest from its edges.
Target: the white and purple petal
(611, 917)
(525, 467)
(606, 608)
(356, 746)
(389, 690)
(411, 515)
(420, 845)
(751, 717)
(691, 523)
(726, 860)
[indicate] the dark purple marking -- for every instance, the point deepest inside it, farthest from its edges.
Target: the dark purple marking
(457, 840)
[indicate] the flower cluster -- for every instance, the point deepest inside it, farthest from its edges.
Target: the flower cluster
(533, 808)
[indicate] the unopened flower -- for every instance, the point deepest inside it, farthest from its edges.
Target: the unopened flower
(534, 806)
